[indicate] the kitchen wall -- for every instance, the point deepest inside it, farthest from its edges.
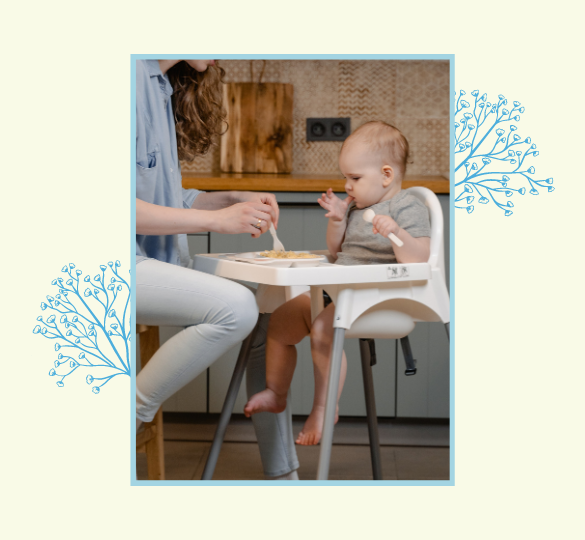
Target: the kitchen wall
(412, 95)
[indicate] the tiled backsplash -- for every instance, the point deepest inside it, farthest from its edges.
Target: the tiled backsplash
(412, 95)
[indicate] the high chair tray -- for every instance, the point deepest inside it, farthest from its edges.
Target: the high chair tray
(220, 264)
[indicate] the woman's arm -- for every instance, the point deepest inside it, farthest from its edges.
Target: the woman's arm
(160, 220)
(152, 219)
(214, 200)
(221, 199)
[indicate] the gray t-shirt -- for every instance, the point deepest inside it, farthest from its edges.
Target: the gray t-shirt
(362, 246)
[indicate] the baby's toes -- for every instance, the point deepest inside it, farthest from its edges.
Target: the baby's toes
(301, 439)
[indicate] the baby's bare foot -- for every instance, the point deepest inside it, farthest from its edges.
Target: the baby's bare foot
(313, 428)
(265, 401)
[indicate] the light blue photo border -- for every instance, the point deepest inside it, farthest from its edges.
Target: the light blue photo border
(451, 481)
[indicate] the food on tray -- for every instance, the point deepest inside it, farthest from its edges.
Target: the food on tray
(287, 255)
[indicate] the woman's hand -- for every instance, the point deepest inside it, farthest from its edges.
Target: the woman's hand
(245, 217)
(259, 197)
(384, 225)
(336, 207)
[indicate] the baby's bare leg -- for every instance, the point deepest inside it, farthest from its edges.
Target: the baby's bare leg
(289, 324)
(321, 344)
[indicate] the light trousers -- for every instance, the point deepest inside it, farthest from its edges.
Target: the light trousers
(217, 314)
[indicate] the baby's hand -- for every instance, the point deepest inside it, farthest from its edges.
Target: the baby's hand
(384, 225)
(336, 207)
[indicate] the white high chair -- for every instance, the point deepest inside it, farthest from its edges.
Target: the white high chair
(371, 301)
(388, 310)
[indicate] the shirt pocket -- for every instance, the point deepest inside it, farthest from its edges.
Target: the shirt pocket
(150, 158)
(146, 175)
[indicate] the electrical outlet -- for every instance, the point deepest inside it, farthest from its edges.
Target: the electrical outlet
(328, 129)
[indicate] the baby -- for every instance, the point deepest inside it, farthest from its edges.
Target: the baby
(373, 161)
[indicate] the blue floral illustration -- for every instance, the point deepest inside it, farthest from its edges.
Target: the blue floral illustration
(93, 324)
(491, 158)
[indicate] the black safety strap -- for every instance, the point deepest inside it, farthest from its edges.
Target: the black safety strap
(408, 359)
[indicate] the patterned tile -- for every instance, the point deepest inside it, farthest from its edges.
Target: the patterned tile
(422, 89)
(366, 89)
(244, 70)
(208, 162)
(429, 144)
(315, 87)
(412, 95)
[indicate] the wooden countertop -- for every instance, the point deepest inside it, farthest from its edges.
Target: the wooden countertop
(292, 182)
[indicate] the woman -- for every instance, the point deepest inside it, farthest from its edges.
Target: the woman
(216, 313)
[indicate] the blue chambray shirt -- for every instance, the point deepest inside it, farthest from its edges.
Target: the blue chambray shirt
(158, 174)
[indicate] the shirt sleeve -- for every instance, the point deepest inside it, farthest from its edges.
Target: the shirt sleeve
(189, 196)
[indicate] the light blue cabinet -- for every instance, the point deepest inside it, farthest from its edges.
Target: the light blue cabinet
(302, 226)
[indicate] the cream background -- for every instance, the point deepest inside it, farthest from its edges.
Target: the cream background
(519, 294)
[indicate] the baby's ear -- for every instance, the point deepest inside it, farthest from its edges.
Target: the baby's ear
(388, 173)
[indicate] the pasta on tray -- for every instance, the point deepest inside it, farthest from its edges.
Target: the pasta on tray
(288, 255)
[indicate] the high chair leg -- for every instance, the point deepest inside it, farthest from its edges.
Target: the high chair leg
(228, 405)
(447, 327)
(365, 350)
(331, 404)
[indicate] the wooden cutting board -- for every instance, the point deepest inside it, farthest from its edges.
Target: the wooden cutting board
(259, 137)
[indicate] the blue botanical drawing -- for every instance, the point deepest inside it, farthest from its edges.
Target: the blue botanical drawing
(491, 158)
(93, 324)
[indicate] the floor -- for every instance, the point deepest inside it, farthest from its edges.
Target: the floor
(410, 450)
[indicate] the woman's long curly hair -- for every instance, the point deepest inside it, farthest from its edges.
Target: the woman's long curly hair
(198, 109)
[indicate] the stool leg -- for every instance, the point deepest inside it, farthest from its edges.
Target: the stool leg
(371, 408)
(331, 403)
(155, 451)
(228, 405)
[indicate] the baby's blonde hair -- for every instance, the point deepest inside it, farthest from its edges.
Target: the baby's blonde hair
(384, 139)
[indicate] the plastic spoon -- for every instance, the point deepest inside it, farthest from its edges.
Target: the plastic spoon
(276, 243)
(369, 216)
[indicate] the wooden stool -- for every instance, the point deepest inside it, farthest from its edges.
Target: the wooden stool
(151, 440)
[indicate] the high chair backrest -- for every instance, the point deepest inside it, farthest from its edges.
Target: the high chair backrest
(430, 200)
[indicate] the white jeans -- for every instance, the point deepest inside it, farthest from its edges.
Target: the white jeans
(216, 313)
